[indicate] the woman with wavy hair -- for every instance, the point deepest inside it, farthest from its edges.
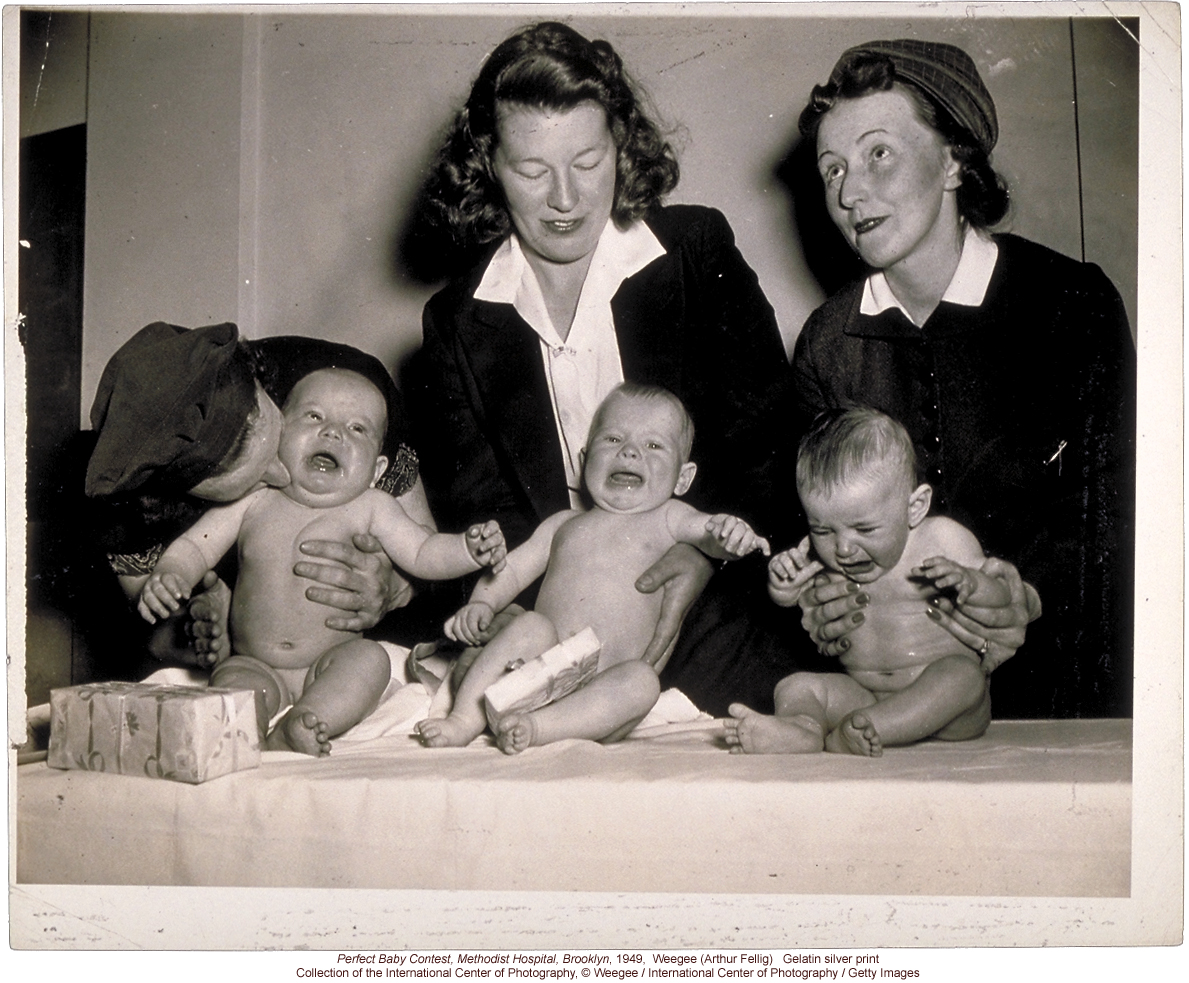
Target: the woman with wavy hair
(589, 281)
(1011, 366)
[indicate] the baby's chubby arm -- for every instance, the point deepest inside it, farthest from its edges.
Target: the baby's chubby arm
(723, 537)
(790, 572)
(187, 559)
(432, 555)
(957, 565)
(498, 589)
(970, 584)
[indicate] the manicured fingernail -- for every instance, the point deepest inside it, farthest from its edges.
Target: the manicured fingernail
(844, 644)
(862, 599)
(935, 601)
(933, 613)
(852, 588)
(857, 618)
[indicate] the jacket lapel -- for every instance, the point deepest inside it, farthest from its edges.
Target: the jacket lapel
(648, 312)
(505, 358)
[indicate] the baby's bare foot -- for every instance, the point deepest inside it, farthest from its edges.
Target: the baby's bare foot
(300, 730)
(855, 735)
(749, 732)
(516, 733)
(452, 731)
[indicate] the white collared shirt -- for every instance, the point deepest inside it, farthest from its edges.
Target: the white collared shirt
(585, 367)
(968, 286)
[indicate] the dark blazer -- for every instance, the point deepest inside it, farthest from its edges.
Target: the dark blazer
(694, 321)
(1022, 412)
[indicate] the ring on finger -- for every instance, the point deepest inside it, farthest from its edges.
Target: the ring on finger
(984, 648)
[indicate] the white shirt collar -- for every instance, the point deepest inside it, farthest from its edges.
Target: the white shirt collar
(968, 287)
(619, 254)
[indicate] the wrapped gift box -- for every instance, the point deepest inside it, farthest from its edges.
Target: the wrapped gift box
(181, 733)
(547, 678)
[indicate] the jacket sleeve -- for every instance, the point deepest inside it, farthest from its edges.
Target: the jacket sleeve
(739, 388)
(459, 463)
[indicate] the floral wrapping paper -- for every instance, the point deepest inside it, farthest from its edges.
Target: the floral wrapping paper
(548, 677)
(181, 733)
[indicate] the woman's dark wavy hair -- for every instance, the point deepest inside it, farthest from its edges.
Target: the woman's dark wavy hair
(546, 66)
(983, 196)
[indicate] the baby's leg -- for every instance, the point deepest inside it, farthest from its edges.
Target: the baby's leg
(950, 699)
(605, 709)
(247, 672)
(342, 688)
(525, 638)
(808, 706)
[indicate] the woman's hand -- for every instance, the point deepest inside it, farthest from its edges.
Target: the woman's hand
(683, 572)
(830, 609)
(359, 579)
(994, 633)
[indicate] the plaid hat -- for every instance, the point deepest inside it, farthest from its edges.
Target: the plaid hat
(170, 404)
(946, 73)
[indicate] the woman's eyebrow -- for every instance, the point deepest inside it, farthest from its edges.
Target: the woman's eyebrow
(862, 136)
(541, 160)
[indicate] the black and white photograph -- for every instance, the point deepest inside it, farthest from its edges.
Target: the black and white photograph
(596, 476)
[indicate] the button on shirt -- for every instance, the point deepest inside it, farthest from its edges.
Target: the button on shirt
(967, 288)
(585, 367)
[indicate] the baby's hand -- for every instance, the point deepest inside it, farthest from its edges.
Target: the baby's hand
(470, 624)
(486, 545)
(948, 575)
(162, 596)
(735, 537)
(789, 572)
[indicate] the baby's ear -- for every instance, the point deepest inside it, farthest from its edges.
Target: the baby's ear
(381, 467)
(685, 478)
(918, 504)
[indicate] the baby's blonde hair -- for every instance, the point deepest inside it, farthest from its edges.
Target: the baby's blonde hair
(849, 443)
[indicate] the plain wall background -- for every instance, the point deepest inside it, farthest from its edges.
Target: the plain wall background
(261, 167)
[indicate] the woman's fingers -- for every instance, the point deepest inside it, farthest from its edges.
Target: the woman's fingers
(1000, 643)
(829, 610)
(960, 627)
(358, 579)
(679, 561)
(664, 638)
(828, 588)
(682, 572)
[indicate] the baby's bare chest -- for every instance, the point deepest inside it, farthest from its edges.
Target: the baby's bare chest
(616, 546)
(276, 530)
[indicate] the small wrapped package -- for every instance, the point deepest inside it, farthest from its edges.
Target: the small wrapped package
(548, 677)
(182, 733)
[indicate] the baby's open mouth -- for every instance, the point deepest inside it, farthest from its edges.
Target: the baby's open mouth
(323, 462)
(861, 566)
(625, 479)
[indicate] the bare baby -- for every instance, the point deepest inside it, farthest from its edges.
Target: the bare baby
(335, 421)
(635, 462)
(907, 678)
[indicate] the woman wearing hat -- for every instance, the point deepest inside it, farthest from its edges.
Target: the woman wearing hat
(188, 417)
(1011, 366)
